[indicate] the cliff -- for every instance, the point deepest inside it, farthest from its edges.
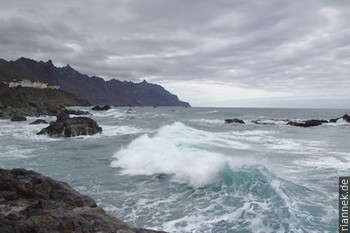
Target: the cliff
(94, 89)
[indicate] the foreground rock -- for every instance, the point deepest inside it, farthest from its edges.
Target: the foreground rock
(71, 127)
(31, 202)
(101, 108)
(235, 120)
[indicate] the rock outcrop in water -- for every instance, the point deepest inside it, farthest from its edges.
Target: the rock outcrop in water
(71, 127)
(18, 118)
(308, 123)
(235, 120)
(31, 202)
(345, 118)
(101, 108)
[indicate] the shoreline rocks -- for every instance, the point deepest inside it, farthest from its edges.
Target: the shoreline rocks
(31, 202)
(71, 127)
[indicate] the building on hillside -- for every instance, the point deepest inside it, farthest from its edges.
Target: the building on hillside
(27, 83)
(23, 83)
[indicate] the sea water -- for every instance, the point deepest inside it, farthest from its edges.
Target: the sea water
(185, 170)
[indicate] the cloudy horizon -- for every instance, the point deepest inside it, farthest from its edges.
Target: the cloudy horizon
(241, 53)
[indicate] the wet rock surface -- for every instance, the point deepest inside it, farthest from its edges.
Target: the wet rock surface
(71, 127)
(18, 118)
(39, 121)
(308, 123)
(101, 108)
(31, 202)
(235, 120)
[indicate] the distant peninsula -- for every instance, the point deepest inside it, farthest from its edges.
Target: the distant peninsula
(94, 90)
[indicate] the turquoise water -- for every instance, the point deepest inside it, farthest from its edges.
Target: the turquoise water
(184, 170)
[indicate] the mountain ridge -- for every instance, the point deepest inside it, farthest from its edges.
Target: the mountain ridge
(94, 89)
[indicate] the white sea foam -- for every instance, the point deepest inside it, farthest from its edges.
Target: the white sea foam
(115, 113)
(325, 162)
(181, 151)
(339, 122)
(208, 121)
(117, 130)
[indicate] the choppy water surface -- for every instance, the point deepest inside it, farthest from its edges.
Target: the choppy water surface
(184, 170)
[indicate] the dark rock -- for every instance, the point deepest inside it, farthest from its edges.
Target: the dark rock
(101, 108)
(346, 118)
(18, 118)
(235, 120)
(39, 121)
(47, 205)
(71, 127)
(77, 112)
(62, 116)
(334, 120)
(308, 123)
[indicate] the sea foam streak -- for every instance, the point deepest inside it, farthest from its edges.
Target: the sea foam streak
(181, 151)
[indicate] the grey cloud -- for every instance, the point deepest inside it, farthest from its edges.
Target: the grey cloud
(270, 45)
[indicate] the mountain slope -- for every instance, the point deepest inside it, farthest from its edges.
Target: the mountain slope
(94, 89)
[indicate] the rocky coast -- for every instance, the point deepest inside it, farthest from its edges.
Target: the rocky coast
(32, 202)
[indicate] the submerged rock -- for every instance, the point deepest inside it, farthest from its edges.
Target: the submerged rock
(71, 127)
(235, 120)
(103, 108)
(31, 202)
(18, 118)
(308, 123)
(39, 121)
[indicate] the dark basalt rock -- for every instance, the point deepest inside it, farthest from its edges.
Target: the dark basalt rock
(101, 108)
(31, 202)
(71, 127)
(308, 123)
(77, 112)
(235, 120)
(39, 121)
(18, 118)
(345, 118)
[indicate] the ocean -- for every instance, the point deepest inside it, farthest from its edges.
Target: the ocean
(185, 170)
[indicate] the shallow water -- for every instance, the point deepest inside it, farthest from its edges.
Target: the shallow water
(184, 170)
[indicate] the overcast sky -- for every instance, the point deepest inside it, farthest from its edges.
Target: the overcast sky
(233, 53)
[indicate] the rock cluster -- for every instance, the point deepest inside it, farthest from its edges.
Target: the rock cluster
(31, 202)
(71, 127)
(306, 123)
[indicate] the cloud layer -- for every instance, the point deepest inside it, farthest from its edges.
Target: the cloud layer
(223, 51)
